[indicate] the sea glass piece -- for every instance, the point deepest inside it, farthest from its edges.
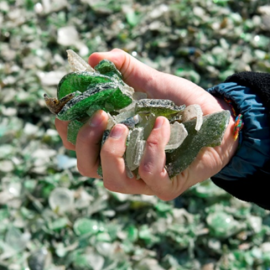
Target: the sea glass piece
(139, 95)
(111, 121)
(73, 129)
(128, 171)
(221, 224)
(135, 135)
(123, 116)
(178, 135)
(131, 121)
(148, 122)
(14, 238)
(108, 68)
(77, 63)
(78, 106)
(91, 110)
(55, 105)
(85, 226)
(61, 199)
(139, 152)
(79, 81)
(210, 134)
(159, 107)
(191, 112)
(37, 259)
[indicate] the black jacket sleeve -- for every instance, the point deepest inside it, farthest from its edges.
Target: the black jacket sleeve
(254, 188)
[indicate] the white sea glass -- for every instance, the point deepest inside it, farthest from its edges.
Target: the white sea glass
(191, 112)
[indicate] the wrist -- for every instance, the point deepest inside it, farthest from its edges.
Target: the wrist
(229, 142)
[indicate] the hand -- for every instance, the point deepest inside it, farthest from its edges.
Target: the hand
(154, 179)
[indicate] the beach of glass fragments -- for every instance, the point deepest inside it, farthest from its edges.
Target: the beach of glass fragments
(51, 217)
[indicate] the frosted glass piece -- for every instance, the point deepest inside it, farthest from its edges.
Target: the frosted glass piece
(178, 135)
(123, 116)
(192, 112)
(139, 152)
(135, 135)
(111, 121)
(61, 200)
(131, 121)
(139, 95)
(77, 63)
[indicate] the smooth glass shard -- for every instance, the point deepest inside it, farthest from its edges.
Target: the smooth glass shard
(178, 135)
(210, 134)
(73, 129)
(192, 112)
(77, 63)
(61, 200)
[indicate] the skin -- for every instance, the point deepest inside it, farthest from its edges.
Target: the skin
(154, 179)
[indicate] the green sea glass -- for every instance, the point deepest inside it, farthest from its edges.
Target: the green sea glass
(103, 88)
(181, 158)
(79, 81)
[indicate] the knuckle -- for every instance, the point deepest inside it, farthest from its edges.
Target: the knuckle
(83, 171)
(146, 169)
(68, 145)
(152, 143)
(83, 137)
(109, 184)
(107, 151)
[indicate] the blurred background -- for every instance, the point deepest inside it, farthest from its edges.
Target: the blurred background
(53, 218)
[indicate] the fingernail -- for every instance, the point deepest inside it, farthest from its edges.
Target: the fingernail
(96, 120)
(158, 123)
(117, 132)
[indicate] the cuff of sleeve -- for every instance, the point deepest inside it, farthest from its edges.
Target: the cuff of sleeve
(254, 138)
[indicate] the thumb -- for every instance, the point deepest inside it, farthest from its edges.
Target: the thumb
(136, 74)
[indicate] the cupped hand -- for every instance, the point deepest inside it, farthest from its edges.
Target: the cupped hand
(154, 178)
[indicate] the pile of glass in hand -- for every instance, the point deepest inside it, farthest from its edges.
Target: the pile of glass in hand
(85, 90)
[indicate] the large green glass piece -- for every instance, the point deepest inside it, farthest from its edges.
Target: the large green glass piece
(77, 107)
(159, 107)
(210, 134)
(79, 81)
(73, 129)
(108, 68)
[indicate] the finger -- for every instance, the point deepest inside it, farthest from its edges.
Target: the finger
(88, 144)
(61, 127)
(152, 166)
(113, 165)
(146, 79)
(135, 73)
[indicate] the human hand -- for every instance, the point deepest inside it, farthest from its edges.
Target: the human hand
(154, 178)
